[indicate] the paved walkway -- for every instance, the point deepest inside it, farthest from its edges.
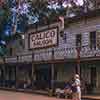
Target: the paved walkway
(6, 95)
(92, 97)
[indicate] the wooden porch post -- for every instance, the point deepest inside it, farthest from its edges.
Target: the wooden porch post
(78, 61)
(4, 73)
(52, 72)
(16, 76)
(52, 76)
(33, 75)
(3, 84)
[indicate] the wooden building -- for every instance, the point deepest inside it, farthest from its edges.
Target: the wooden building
(49, 57)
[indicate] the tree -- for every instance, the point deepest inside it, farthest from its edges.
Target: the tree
(4, 15)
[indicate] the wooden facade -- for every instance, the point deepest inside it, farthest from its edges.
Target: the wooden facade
(58, 63)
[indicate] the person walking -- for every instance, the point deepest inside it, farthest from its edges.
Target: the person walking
(76, 84)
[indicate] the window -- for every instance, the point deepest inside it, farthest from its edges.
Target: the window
(93, 76)
(10, 51)
(98, 39)
(64, 37)
(93, 40)
(22, 41)
(23, 36)
(78, 40)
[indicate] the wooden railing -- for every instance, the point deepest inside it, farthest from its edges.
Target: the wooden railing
(56, 54)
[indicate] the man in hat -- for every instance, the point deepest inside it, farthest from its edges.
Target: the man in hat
(77, 94)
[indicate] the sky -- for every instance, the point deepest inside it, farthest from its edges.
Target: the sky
(80, 2)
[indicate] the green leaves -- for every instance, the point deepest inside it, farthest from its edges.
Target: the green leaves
(4, 15)
(3, 50)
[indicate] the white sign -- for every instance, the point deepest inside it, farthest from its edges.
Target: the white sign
(11, 60)
(43, 39)
(25, 58)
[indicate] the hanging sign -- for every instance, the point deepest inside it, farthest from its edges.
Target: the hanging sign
(43, 39)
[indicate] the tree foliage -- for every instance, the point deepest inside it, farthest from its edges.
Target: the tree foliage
(4, 16)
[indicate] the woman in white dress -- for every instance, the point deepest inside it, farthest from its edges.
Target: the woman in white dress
(77, 94)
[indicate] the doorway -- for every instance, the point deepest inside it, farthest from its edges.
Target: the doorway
(10, 76)
(93, 77)
(24, 76)
(43, 76)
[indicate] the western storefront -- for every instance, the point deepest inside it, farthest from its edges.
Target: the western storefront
(49, 59)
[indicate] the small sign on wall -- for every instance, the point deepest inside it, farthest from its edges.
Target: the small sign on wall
(43, 39)
(11, 60)
(25, 58)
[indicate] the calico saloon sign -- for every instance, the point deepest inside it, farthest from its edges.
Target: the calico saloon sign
(43, 39)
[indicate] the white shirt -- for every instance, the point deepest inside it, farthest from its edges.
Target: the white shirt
(77, 82)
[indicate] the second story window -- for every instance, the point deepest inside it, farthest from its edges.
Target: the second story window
(64, 37)
(78, 40)
(22, 41)
(10, 51)
(98, 39)
(93, 40)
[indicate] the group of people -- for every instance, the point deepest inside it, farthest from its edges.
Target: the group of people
(73, 88)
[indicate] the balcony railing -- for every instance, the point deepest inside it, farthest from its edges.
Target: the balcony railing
(56, 54)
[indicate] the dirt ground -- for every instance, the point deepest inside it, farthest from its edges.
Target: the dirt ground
(6, 95)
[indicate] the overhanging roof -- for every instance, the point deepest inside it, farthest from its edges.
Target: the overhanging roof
(83, 16)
